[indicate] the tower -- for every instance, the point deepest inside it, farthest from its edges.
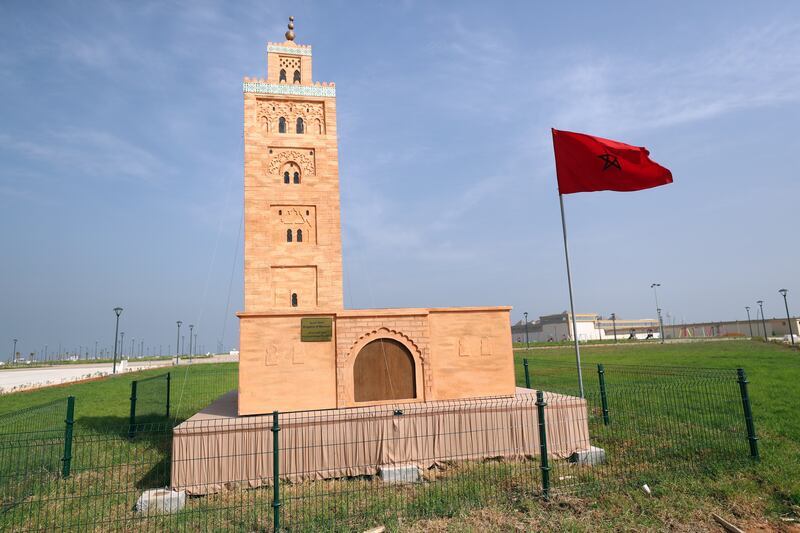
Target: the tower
(293, 247)
(299, 348)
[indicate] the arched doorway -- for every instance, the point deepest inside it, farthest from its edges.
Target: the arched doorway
(384, 370)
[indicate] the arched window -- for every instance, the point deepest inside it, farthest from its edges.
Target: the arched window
(288, 235)
(299, 235)
(296, 76)
(286, 177)
(296, 177)
(281, 125)
(319, 126)
(294, 299)
(300, 127)
(283, 75)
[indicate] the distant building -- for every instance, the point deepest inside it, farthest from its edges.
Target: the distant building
(776, 327)
(551, 328)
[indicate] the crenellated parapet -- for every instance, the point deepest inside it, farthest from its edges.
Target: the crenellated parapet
(289, 47)
(263, 86)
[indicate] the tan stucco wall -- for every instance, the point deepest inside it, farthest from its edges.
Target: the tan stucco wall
(471, 353)
(458, 353)
(278, 372)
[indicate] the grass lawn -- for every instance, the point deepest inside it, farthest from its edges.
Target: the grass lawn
(484, 497)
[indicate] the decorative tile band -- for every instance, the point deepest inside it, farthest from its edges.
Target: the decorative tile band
(277, 49)
(296, 90)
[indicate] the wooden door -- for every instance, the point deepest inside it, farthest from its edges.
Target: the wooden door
(384, 370)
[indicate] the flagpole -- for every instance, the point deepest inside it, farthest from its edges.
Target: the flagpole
(571, 303)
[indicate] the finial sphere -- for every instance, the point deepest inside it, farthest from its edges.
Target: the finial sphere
(290, 34)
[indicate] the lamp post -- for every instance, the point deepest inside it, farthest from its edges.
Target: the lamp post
(191, 329)
(178, 342)
(763, 321)
(614, 325)
(14, 353)
(121, 344)
(527, 342)
(117, 311)
(655, 286)
(749, 323)
(788, 318)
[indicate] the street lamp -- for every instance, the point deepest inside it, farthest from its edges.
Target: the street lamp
(121, 344)
(527, 342)
(14, 353)
(763, 321)
(655, 286)
(614, 325)
(191, 328)
(749, 323)
(178, 342)
(117, 311)
(788, 318)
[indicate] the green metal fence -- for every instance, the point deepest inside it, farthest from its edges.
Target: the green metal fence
(636, 425)
(150, 401)
(34, 449)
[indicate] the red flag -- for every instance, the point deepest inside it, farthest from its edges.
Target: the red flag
(585, 163)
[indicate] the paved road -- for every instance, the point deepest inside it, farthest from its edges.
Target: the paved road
(32, 378)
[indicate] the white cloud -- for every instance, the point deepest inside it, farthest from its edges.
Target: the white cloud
(93, 153)
(754, 69)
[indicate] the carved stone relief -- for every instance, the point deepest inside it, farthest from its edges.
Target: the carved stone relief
(303, 157)
(270, 111)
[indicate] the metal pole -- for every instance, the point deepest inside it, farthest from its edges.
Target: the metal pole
(654, 286)
(527, 374)
(276, 489)
(788, 317)
(68, 423)
(14, 353)
(601, 374)
(749, 323)
(571, 301)
(191, 327)
(614, 325)
(117, 311)
(527, 342)
(763, 320)
(169, 379)
(178, 342)
(748, 414)
(132, 419)
(544, 466)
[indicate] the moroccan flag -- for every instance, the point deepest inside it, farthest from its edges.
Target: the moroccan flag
(585, 163)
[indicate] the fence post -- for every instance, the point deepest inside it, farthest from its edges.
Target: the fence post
(68, 423)
(169, 378)
(540, 404)
(527, 374)
(748, 414)
(132, 421)
(276, 490)
(601, 373)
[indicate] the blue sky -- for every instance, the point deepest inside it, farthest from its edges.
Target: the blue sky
(121, 158)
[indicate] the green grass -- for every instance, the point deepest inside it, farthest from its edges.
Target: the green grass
(193, 387)
(110, 471)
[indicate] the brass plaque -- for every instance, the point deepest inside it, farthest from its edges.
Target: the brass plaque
(316, 329)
